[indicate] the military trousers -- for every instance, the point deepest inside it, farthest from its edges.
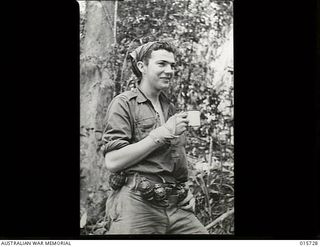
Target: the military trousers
(129, 213)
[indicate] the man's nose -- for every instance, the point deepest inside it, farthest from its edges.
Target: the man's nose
(168, 69)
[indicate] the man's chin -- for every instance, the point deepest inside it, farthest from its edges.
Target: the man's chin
(165, 86)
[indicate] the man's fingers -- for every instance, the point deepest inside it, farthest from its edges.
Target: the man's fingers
(187, 207)
(180, 129)
(182, 114)
(182, 120)
(187, 199)
(188, 204)
(182, 125)
(178, 122)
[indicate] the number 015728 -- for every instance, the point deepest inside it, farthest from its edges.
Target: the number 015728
(309, 242)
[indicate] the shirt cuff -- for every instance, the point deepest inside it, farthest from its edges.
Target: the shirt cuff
(114, 145)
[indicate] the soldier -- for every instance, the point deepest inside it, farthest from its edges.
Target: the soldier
(144, 149)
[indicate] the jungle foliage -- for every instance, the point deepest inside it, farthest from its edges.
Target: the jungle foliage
(200, 29)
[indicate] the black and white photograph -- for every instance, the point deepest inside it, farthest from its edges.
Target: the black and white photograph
(161, 120)
(156, 117)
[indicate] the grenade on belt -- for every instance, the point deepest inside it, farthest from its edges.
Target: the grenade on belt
(146, 189)
(117, 180)
(159, 193)
(182, 192)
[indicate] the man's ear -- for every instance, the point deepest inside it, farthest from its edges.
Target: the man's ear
(141, 66)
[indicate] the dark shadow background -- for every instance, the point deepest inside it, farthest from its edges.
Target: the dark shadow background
(276, 123)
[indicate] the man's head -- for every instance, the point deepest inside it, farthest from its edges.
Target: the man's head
(143, 54)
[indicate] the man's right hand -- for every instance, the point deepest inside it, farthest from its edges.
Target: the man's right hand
(174, 127)
(178, 123)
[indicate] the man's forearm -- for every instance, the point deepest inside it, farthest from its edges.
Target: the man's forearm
(129, 155)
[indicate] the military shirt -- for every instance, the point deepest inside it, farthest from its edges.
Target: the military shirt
(130, 118)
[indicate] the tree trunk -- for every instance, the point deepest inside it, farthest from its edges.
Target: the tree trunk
(96, 92)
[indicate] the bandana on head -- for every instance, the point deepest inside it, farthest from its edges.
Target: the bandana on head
(138, 54)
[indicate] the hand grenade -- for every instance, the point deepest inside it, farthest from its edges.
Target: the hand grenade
(146, 189)
(117, 180)
(182, 192)
(159, 193)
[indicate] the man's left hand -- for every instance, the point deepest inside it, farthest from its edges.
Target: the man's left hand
(188, 203)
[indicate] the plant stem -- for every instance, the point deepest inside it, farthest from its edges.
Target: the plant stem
(220, 218)
(206, 193)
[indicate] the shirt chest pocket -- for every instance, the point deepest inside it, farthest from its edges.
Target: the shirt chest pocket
(144, 127)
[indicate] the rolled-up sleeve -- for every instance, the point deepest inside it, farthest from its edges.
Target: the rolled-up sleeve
(118, 131)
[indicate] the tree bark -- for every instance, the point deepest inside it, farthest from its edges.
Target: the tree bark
(96, 92)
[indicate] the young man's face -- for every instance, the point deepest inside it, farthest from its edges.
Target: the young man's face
(160, 69)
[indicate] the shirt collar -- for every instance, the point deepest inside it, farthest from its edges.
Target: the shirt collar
(142, 98)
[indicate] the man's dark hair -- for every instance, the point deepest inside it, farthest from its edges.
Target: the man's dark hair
(143, 53)
(160, 45)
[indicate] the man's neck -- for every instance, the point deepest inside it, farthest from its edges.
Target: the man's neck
(151, 94)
